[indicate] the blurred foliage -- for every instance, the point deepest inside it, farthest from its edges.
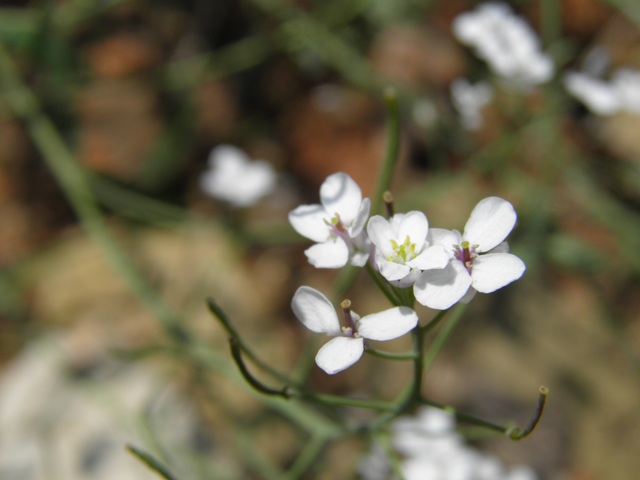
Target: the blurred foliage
(110, 108)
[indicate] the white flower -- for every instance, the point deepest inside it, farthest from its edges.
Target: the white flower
(316, 313)
(402, 249)
(469, 100)
(336, 224)
(433, 450)
(233, 177)
(506, 42)
(489, 224)
(599, 96)
(621, 93)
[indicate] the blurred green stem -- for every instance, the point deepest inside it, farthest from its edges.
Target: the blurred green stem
(375, 276)
(75, 185)
(443, 335)
(391, 155)
(222, 317)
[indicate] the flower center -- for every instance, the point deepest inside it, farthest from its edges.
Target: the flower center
(466, 253)
(336, 227)
(403, 252)
(350, 330)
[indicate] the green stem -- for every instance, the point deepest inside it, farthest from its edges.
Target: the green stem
(222, 317)
(434, 321)
(151, 462)
(346, 402)
(465, 417)
(306, 458)
(519, 434)
(443, 335)
(375, 276)
(391, 356)
(391, 154)
(251, 380)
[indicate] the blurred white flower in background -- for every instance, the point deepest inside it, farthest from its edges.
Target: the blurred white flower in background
(432, 450)
(469, 100)
(235, 178)
(602, 97)
(506, 42)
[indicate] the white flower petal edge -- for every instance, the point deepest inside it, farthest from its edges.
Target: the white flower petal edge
(387, 325)
(495, 270)
(331, 254)
(340, 194)
(339, 353)
(490, 223)
(315, 311)
(308, 221)
(441, 289)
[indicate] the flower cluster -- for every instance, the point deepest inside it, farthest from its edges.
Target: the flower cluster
(432, 450)
(602, 97)
(442, 267)
(506, 42)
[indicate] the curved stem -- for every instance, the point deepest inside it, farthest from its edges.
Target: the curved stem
(218, 313)
(251, 380)
(519, 434)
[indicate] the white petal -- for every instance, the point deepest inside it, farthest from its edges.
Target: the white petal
(469, 295)
(228, 157)
(308, 221)
(409, 280)
(446, 238)
(599, 96)
(415, 226)
(432, 257)
(387, 325)
(359, 250)
(361, 218)
(440, 289)
(495, 270)
(315, 311)
(381, 233)
(340, 353)
(359, 259)
(392, 271)
(331, 254)
(340, 194)
(502, 248)
(490, 223)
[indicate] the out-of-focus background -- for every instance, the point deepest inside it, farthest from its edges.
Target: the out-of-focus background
(109, 247)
